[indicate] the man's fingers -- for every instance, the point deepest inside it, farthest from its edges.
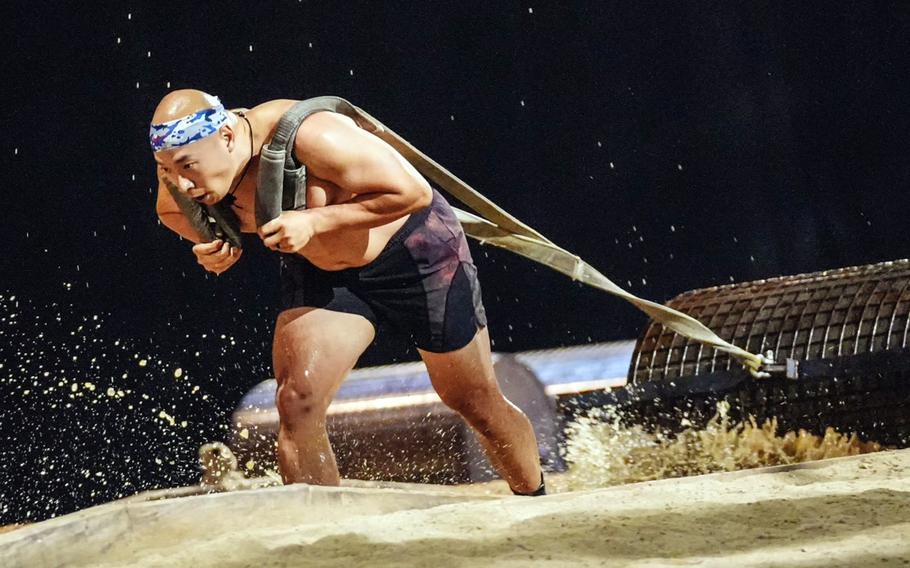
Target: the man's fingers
(227, 262)
(208, 248)
(221, 252)
(230, 255)
(220, 266)
(271, 227)
(214, 262)
(272, 241)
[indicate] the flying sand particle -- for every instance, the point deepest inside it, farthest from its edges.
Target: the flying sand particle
(165, 416)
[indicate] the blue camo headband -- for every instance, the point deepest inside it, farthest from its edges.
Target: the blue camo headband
(188, 129)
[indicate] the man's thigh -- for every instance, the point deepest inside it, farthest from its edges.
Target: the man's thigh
(317, 347)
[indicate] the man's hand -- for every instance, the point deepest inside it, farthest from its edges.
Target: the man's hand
(289, 232)
(216, 256)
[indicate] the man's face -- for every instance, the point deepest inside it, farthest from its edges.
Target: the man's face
(202, 170)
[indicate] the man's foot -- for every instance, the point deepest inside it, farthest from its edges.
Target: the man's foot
(541, 489)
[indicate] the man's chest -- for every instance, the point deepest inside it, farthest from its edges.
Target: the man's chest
(319, 193)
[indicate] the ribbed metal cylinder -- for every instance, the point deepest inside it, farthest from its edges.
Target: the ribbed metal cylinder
(822, 315)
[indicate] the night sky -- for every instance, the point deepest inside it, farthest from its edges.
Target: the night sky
(672, 145)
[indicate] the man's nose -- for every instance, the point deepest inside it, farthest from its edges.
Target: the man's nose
(184, 184)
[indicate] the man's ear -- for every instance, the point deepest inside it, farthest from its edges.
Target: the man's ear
(227, 134)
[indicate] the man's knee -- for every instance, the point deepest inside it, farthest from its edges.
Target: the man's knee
(299, 405)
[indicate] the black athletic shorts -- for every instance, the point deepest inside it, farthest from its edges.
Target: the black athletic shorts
(423, 283)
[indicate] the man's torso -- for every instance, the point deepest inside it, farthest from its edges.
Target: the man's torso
(329, 251)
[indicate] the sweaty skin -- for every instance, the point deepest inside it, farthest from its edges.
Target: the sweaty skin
(360, 191)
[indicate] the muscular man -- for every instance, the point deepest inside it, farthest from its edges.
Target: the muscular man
(375, 244)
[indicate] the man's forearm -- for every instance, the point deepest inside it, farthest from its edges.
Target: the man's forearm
(369, 210)
(178, 223)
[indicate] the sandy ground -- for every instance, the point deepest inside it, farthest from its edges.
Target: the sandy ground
(851, 511)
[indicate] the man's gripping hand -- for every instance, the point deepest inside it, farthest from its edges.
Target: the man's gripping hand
(216, 256)
(289, 232)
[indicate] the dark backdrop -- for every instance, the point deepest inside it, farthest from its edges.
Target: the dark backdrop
(672, 145)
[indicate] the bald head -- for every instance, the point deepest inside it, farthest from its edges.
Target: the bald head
(193, 141)
(186, 116)
(180, 103)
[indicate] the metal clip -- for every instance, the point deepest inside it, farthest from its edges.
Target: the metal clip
(789, 368)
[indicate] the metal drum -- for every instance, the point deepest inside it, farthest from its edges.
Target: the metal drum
(822, 315)
(845, 330)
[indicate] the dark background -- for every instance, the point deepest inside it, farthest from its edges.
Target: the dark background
(672, 145)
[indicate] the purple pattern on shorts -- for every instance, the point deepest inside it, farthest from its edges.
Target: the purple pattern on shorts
(439, 247)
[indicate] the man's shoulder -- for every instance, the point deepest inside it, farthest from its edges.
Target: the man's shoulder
(270, 111)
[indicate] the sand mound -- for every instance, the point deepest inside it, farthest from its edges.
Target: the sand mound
(852, 511)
